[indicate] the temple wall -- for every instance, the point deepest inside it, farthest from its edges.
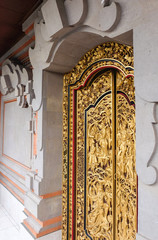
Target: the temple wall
(16, 146)
(31, 137)
(16, 153)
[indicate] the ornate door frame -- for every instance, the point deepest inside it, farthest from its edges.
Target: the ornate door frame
(106, 56)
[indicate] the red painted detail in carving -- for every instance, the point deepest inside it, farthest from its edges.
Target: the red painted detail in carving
(96, 70)
(74, 140)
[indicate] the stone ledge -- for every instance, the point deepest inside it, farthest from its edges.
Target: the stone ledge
(140, 237)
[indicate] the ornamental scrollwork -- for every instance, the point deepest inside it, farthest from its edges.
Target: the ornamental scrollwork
(95, 143)
(17, 79)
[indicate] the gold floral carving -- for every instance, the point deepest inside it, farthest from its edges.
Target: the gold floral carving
(106, 212)
(96, 159)
(99, 170)
(126, 178)
(122, 54)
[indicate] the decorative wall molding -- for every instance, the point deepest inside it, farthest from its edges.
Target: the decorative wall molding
(61, 19)
(105, 18)
(3, 137)
(146, 85)
(18, 79)
(79, 13)
(140, 237)
(105, 3)
(146, 140)
(11, 191)
(41, 215)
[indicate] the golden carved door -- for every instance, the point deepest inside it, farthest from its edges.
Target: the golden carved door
(99, 177)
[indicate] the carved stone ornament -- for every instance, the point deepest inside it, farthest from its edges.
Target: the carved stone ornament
(146, 85)
(59, 20)
(105, 3)
(146, 140)
(18, 79)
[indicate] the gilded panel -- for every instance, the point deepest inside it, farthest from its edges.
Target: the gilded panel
(86, 97)
(126, 178)
(90, 183)
(99, 181)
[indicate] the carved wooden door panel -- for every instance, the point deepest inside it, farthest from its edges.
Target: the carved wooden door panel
(100, 181)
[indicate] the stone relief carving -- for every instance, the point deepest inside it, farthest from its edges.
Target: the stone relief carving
(146, 85)
(105, 3)
(18, 79)
(79, 13)
(69, 16)
(105, 17)
(56, 21)
(146, 140)
(66, 17)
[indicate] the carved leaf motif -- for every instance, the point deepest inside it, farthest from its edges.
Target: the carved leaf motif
(87, 96)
